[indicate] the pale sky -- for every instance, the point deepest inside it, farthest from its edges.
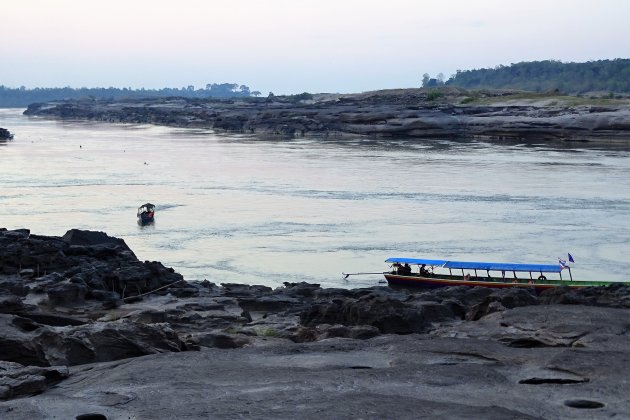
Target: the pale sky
(292, 46)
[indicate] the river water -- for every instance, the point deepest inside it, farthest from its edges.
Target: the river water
(240, 209)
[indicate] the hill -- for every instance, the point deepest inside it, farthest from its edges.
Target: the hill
(550, 75)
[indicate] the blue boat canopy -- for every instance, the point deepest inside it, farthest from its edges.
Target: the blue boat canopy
(469, 265)
(418, 261)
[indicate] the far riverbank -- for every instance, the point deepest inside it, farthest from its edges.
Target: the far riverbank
(405, 113)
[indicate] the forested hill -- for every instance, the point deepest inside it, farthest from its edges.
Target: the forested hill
(22, 97)
(541, 76)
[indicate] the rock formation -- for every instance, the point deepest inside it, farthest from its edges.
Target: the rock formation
(88, 331)
(5, 134)
(408, 113)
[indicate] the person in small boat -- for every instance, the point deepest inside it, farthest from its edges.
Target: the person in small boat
(397, 268)
(407, 269)
(423, 270)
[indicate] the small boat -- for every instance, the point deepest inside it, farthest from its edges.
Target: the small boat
(441, 273)
(146, 214)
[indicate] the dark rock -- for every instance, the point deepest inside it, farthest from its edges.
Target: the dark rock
(403, 114)
(89, 238)
(11, 305)
(272, 303)
(18, 381)
(16, 341)
(66, 293)
(614, 296)
(361, 332)
(13, 286)
(48, 281)
(149, 316)
(245, 290)
(184, 292)
(103, 295)
(16, 234)
(101, 342)
(221, 340)
(500, 300)
(5, 134)
(53, 320)
(301, 289)
(388, 314)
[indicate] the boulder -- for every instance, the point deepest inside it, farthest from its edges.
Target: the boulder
(18, 381)
(25, 341)
(100, 342)
(220, 340)
(89, 238)
(5, 134)
(13, 286)
(66, 293)
(11, 305)
(16, 341)
(614, 296)
(389, 314)
(500, 300)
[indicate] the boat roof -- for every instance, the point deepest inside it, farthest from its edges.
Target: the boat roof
(148, 205)
(478, 265)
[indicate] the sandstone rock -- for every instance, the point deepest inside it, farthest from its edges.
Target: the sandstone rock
(614, 296)
(27, 342)
(89, 238)
(500, 300)
(387, 314)
(16, 341)
(220, 340)
(11, 305)
(361, 332)
(398, 113)
(66, 293)
(5, 134)
(18, 381)
(100, 342)
(13, 285)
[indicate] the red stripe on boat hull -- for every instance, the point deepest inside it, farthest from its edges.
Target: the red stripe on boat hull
(435, 283)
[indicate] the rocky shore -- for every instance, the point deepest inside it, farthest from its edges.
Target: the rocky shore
(88, 331)
(5, 134)
(405, 113)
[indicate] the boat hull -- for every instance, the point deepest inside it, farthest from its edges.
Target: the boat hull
(145, 219)
(449, 281)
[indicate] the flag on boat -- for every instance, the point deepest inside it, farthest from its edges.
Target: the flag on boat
(571, 258)
(563, 263)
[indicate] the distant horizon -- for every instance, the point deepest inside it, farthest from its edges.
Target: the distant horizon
(288, 47)
(253, 88)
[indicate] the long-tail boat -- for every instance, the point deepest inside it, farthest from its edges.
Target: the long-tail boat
(440, 273)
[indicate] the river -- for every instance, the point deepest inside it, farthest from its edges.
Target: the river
(234, 208)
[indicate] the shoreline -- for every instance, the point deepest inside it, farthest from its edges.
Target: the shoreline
(405, 113)
(75, 341)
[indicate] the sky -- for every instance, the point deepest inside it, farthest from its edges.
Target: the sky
(294, 46)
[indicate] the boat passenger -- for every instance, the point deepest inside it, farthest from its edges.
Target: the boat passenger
(423, 270)
(407, 269)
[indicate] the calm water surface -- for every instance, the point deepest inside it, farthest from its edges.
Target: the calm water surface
(241, 209)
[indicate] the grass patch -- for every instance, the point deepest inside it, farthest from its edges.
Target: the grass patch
(268, 332)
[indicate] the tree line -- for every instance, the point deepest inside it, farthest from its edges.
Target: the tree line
(544, 76)
(22, 97)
